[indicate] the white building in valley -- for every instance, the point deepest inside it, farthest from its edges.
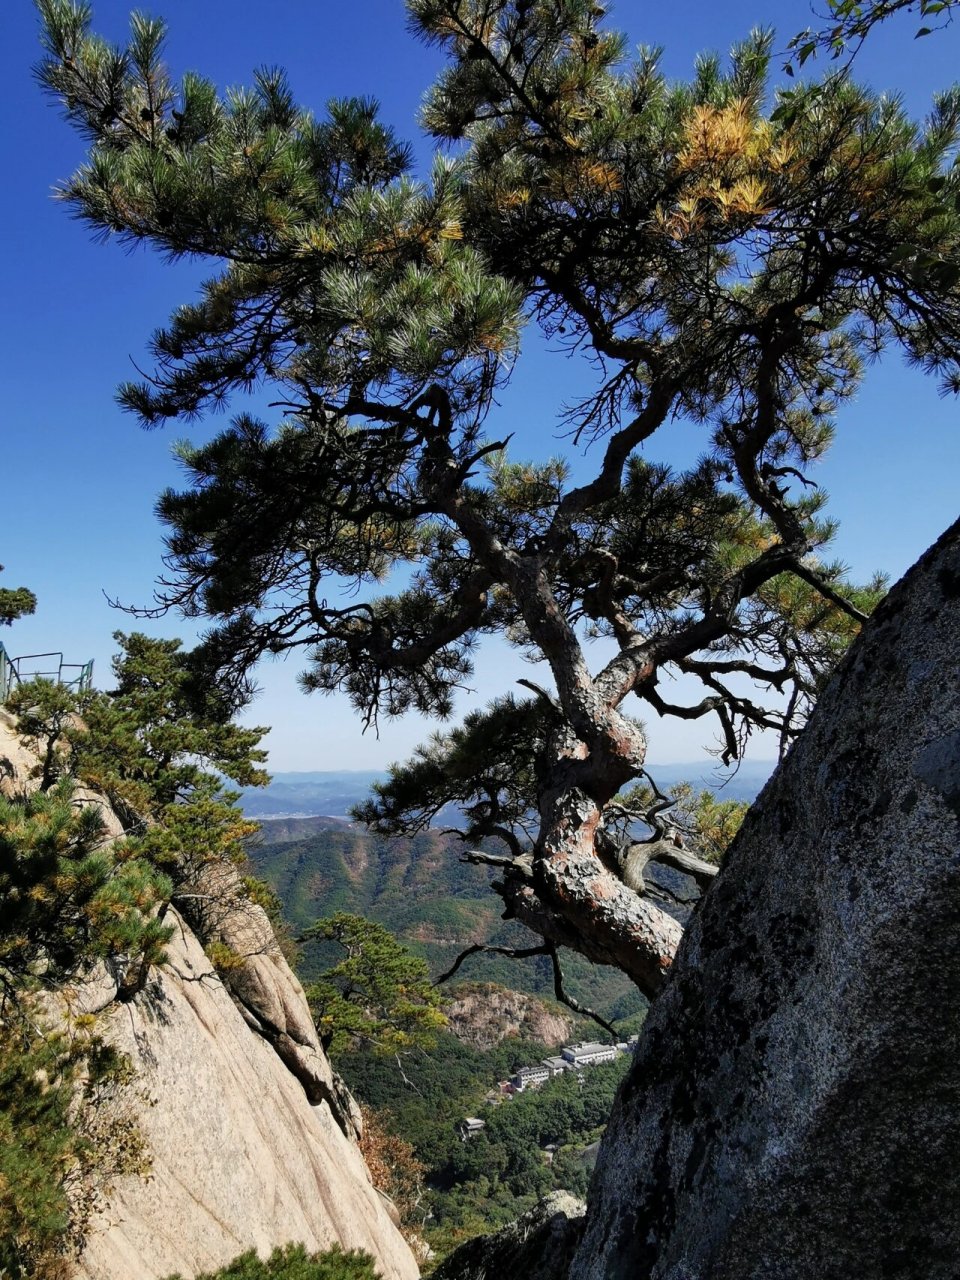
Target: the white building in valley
(528, 1077)
(589, 1054)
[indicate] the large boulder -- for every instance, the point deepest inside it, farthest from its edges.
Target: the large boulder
(537, 1246)
(483, 1014)
(794, 1109)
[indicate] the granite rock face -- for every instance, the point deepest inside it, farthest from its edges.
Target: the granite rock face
(240, 1158)
(484, 1014)
(249, 1132)
(794, 1109)
(267, 992)
(537, 1246)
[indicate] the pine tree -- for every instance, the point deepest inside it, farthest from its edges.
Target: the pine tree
(15, 603)
(378, 993)
(718, 257)
(164, 754)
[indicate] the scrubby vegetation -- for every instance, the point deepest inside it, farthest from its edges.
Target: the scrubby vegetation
(294, 1263)
(60, 1147)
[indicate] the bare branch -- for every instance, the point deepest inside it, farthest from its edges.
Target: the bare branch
(561, 994)
(539, 691)
(515, 866)
(662, 804)
(820, 584)
(682, 860)
(514, 953)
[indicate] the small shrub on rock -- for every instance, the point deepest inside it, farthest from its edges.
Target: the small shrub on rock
(294, 1263)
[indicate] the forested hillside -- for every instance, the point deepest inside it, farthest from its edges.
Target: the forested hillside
(418, 887)
(417, 1095)
(471, 1186)
(420, 890)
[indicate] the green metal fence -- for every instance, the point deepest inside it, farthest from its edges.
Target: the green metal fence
(6, 675)
(48, 666)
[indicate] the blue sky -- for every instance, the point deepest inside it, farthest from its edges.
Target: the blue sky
(78, 478)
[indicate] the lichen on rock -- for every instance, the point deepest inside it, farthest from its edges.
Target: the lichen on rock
(792, 1110)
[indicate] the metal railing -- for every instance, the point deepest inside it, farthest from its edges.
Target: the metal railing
(13, 671)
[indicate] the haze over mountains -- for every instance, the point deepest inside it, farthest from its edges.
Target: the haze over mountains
(333, 793)
(302, 795)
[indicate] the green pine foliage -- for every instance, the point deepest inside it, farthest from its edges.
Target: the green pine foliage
(157, 740)
(486, 767)
(15, 603)
(292, 1262)
(45, 711)
(362, 291)
(160, 749)
(378, 993)
(69, 896)
(163, 750)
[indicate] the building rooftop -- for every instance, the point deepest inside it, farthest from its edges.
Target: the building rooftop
(588, 1049)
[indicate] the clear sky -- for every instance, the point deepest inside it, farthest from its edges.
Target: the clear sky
(78, 478)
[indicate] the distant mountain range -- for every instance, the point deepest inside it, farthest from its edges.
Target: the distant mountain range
(333, 793)
(320, 862)
(303, 795)
(420, 890)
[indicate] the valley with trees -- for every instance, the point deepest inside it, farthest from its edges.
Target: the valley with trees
(719, 259)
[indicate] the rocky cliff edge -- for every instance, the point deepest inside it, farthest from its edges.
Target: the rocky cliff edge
(250, 1135)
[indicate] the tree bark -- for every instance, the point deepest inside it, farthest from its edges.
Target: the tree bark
(568, 896)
